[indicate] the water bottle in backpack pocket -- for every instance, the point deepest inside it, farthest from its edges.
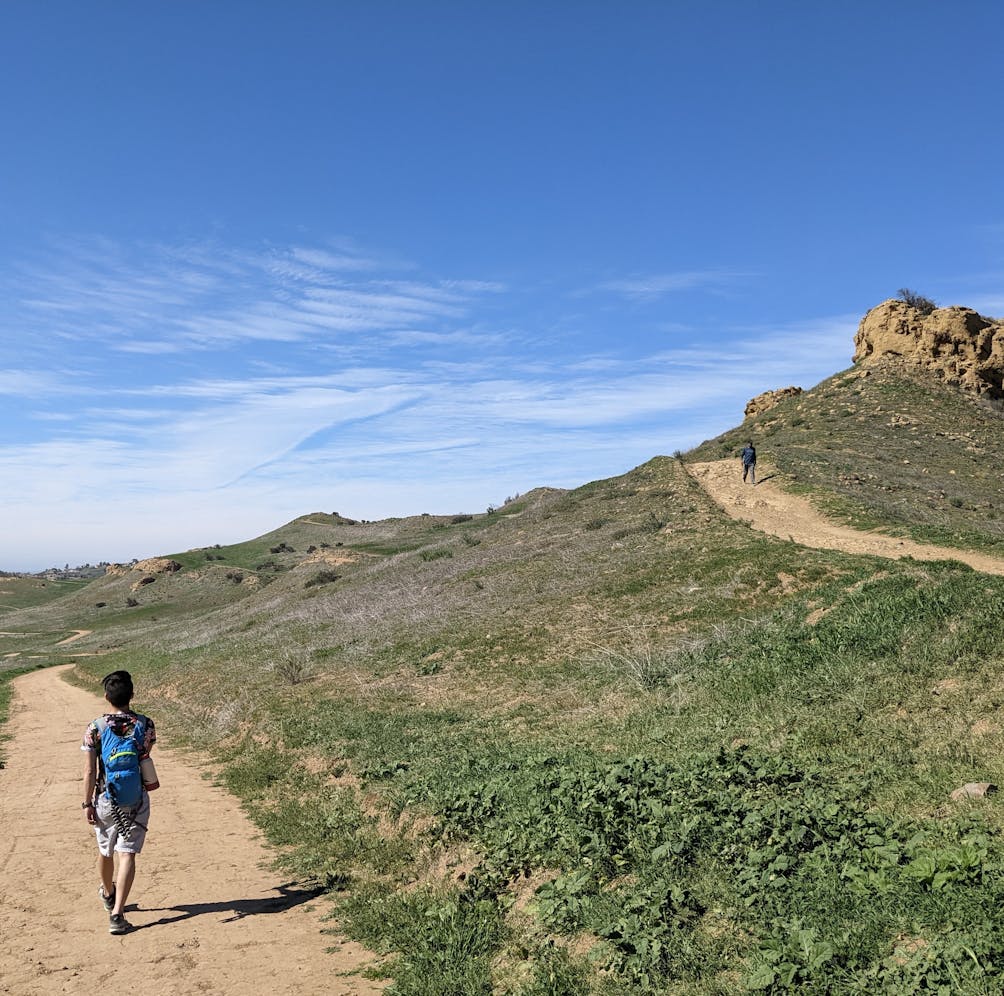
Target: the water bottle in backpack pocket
(148, 773)
(122, 741)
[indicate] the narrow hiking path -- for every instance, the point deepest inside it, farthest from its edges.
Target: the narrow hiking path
(772, 510)
(209, 917)
(78, 634)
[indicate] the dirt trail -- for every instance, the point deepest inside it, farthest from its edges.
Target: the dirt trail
(209, 918)
(769, 509)
(78, 634)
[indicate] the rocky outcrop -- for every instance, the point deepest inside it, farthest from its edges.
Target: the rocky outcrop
(329, 557)
(764, 402)
(957, 345)
(157, 565)
(974, 790)
(154, 565)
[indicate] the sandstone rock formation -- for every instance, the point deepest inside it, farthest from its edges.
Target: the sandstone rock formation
(155, 565)
(158, 565)
(329, 557)
(958, 345)
(764, 402)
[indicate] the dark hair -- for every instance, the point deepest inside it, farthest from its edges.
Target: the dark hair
(118, 688)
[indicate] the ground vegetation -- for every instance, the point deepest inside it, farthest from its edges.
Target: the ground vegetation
(612, 740)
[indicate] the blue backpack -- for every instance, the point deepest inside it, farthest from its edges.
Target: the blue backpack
(122, 739)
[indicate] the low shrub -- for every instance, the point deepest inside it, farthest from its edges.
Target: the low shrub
(923, 304)
(439, 553)
(292, 666)
(322, 577)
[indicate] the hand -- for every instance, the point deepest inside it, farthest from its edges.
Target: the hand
(91, 815)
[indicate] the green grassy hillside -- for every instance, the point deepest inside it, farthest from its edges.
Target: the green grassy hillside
(18, 592)
(610, 740)
(885, 448)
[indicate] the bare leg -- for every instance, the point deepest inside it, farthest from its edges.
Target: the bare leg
(123, 880)
(106, 872)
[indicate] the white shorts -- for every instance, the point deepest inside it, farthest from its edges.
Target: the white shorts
(111, 838)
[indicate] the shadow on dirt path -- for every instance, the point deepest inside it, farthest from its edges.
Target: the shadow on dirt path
(192, 936)
(289, 896)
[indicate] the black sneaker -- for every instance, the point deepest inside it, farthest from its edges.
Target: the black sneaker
(118, 924)
(107, 901)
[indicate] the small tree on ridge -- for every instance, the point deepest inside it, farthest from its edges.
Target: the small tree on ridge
(923, 304)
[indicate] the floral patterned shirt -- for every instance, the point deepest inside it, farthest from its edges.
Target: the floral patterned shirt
(92, 735)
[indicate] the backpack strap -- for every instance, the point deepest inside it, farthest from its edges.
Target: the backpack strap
(99, 782)
(139, 735)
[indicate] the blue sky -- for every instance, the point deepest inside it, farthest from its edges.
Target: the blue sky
(259, 259)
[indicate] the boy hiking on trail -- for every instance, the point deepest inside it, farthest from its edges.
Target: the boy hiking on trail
(118, 776)
(748, 457)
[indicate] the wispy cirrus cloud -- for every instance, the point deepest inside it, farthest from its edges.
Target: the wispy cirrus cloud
(652, 286)
(323, 260)
(157, 300)
(26, 383)
(229, 390)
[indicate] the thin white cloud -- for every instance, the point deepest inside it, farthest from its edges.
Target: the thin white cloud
(229, 397)
(476, 286)
(322, 259)
(26, 383)
(156, 348)
(155, 301)
(458, 337)
(652, 286)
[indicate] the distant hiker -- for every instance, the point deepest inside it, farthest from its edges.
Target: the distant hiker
(118, 776)
(748, 457)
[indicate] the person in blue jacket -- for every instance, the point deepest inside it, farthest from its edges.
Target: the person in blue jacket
(748, 457)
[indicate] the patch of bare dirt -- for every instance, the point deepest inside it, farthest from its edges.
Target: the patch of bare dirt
(329, 557)
(769, 509)
(946, 686)
(209, 917)
(984, 728)
(815, 615)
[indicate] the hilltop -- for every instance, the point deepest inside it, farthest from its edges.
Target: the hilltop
(617, 719)
(889, 444)
(956, 345)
